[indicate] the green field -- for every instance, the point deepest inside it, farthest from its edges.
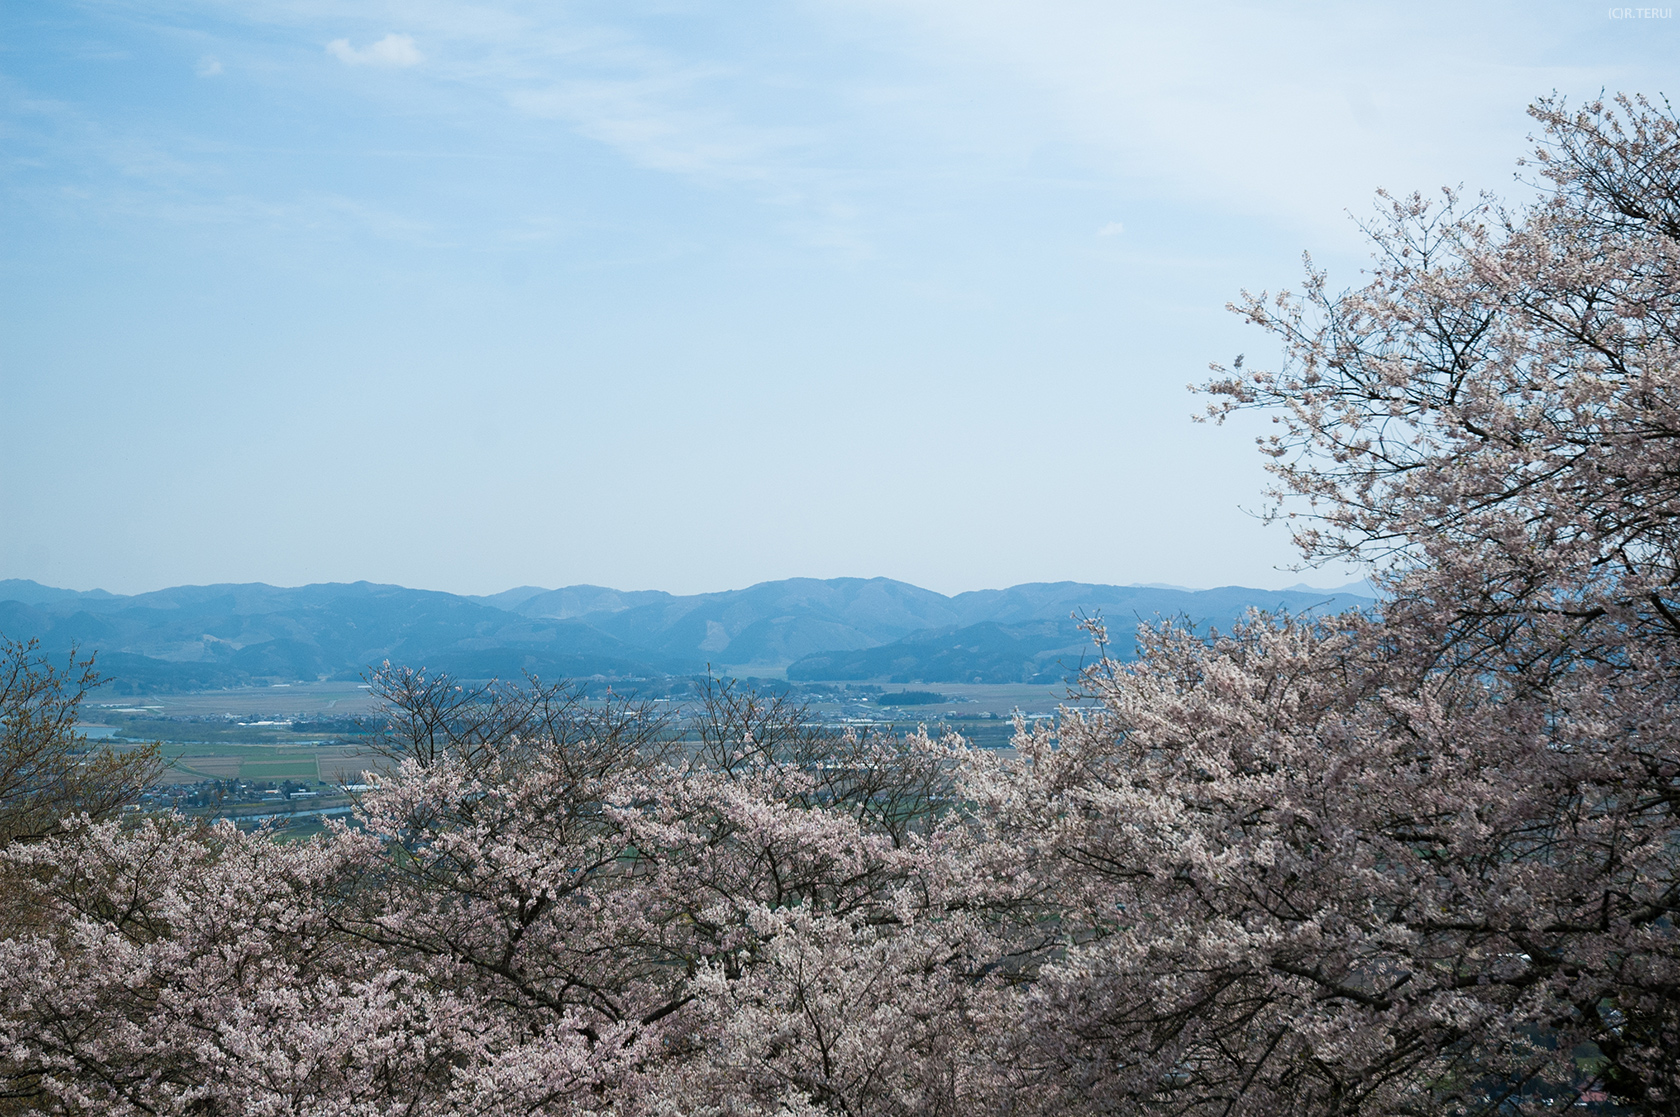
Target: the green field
(280, 770)
(189, 763)
(202, 741)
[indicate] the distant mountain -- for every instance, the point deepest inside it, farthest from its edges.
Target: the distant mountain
(580, 601)
(1120, 604)
(1025, 652)
(1033, 638)
(34, 593)
(511, 599)
(776, 622)
(192, 637)
(1362, 588)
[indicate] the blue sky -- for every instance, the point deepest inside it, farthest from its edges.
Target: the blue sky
(689, 296)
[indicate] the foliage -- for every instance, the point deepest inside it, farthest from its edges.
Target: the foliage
(47, 770)
(912, 698)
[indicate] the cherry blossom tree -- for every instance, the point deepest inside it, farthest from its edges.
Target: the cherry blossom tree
(549, 906)
(1427, 861)
(1495, 416)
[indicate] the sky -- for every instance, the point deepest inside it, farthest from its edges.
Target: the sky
(689, 296)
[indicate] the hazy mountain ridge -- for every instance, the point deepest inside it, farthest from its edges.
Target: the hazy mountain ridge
(34, 593)
(190, 637)
(989, 652)
(574, 601)
(1033, 636)
(230, 633)
(775, 622)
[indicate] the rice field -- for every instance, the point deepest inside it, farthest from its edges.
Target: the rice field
(191, 763)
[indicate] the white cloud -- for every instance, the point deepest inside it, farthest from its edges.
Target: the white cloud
(1112, 229)
(209, 66)
(392, 50)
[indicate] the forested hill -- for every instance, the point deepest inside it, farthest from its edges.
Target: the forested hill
(192, 637)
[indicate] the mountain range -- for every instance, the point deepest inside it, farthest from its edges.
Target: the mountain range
(197, 637)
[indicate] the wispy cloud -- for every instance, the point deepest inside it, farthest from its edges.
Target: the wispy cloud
(664, 122)
(393, 50)
(731, 108)
(1287, 112)
(208, 66)
(77, 163)
(850, 114)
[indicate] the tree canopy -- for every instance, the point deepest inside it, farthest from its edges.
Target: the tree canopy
(47, 770)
